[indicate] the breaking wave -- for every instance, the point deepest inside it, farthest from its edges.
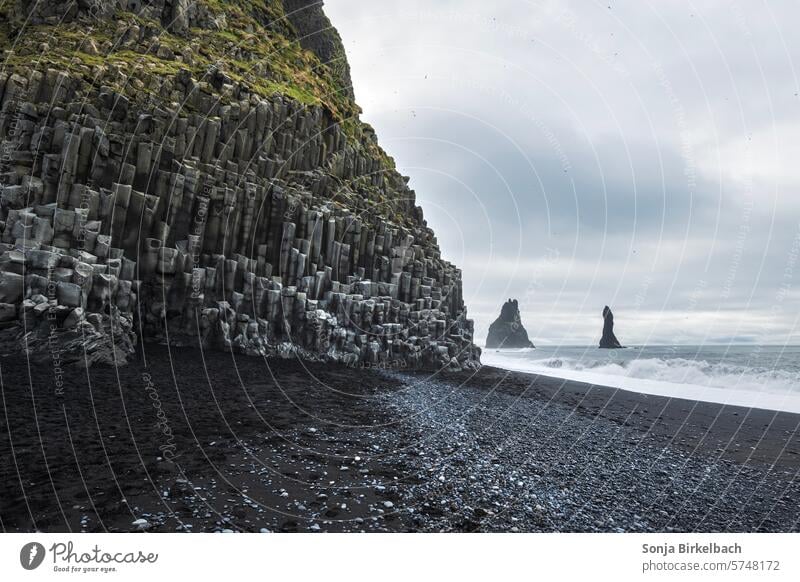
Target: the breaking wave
(720, 382)
(683, 371)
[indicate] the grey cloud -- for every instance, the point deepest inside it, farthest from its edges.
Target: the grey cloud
(650, 146)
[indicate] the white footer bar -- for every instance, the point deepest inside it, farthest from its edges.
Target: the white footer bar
(402, 557)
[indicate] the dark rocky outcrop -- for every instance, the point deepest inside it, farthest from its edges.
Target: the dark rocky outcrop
(320, 37)
(189, 173)
(507, 330)
(609, 340)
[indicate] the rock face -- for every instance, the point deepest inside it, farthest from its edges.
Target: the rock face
(318, 35)
(190, 174)
(507, 330)
(609, 340)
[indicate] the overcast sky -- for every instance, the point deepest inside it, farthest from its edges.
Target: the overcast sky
(641, 154)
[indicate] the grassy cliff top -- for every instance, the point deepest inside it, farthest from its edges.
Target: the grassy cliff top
(251, 42)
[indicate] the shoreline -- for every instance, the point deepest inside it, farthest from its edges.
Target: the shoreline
(699, 423)
(284, 445)
(768, 401)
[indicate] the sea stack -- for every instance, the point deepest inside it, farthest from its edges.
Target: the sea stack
(507, 330)
(609, 340)
(197, 174)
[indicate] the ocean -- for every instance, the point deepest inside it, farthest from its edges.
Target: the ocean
(765, 377)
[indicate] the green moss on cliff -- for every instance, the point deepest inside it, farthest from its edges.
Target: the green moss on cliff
(252, 43)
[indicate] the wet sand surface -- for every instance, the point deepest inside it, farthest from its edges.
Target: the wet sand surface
(208, 441)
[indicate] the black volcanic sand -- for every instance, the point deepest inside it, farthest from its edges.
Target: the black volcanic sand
(284, 446)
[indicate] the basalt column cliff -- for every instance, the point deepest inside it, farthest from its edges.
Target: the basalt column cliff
(196, 173)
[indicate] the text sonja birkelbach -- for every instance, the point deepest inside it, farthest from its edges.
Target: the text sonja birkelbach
(691, 548)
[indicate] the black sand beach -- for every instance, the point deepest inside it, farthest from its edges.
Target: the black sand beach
(286, 446)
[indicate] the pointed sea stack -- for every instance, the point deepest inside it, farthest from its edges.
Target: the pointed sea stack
(609, 340)
(507, 330)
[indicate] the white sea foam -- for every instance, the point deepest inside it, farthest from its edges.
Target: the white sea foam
(722, 383)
